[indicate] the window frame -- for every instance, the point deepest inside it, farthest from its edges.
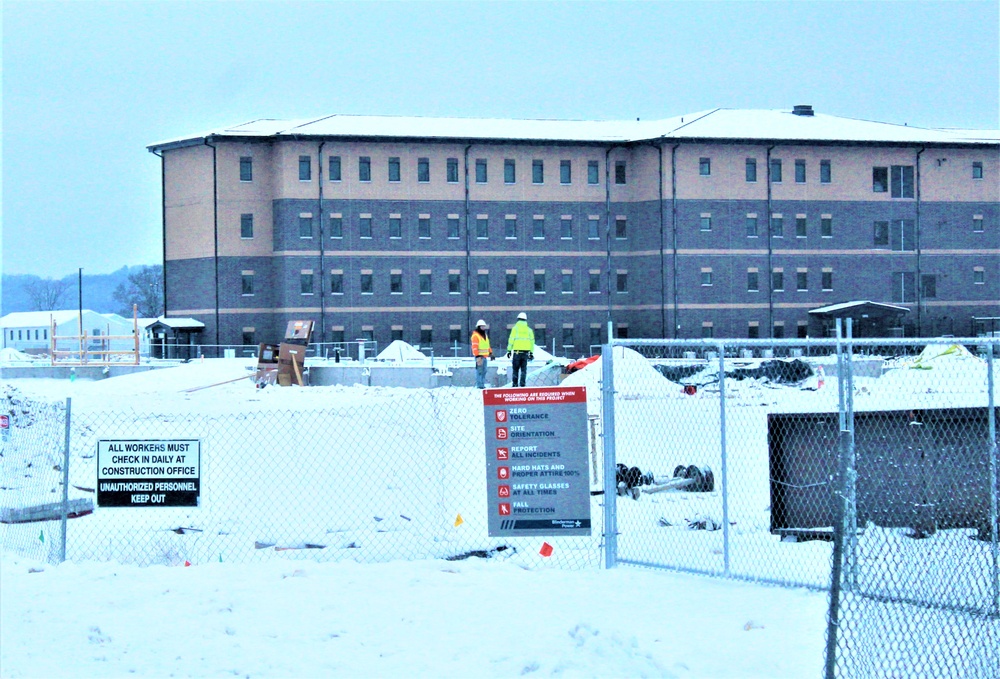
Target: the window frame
(482, 171)
(423, 170)
(246, 163)
(246, 285)
(825, 171)
(246, 226)
(750, 170)
(977, 170)
(621, 173)
(593, 172)
(364, 169)
(394, 170)
(509, 171)
(800, 171)
(305, 168)
(334, 169)
(705, 167)
(537, 171)
(565, 172)
(451, 171)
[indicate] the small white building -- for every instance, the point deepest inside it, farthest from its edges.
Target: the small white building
(30, 331)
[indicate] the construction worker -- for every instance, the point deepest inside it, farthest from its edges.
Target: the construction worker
(520, 349)
(482, 351)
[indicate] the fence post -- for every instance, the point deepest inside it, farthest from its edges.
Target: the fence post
(610, 486)
(65, 497)
(851, 480)
(725, 478)
(994, 481)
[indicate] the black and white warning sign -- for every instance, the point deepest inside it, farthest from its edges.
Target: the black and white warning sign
(536, 461)
(157, 473)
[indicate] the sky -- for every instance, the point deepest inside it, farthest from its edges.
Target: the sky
(87, 86)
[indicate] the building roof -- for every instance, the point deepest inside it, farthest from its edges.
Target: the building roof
(177, 323)
(39, 319)
(717, 124)
(857, 305)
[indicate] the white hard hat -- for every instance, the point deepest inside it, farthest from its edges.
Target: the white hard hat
(522, 316)
(480, 323)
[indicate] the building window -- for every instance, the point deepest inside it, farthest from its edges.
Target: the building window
(305, 227)
(880, 179)
(454, 283)
(452, 170)
(800, 171)
(800, 227)
(706, 223)
(595, 336)
(306, 282)
(979, 275)
(825, 172)
(802, 281)
(880, 236)
(367, 333)
(904, 286)
(248, 338)
(620, 172)
(510, 227)
(247, 284)
(453, 227)
(777, 226)
(510, 282)
(903, 235)
(305, 168)
(454, 337)
(395, 227)
(396, 283)
(826, 227)
(778, 281)
(538, 228)
(337, 336)
(593, 228)
(396, 333)
(365, 227)
(424, 227)
(336, 226)
(593, 172)
(483, 283)
(928, 286)
(394, 169)
(621, 228)
(707, 331)
(482, 227)
(334, 168)
(540, 337)
(537, 171)
(246, 226)
(364, 169)
(751, 226)
(622, 331)
(566, 227)
(426, 337)
(621, 282)
(826, 280)
(567, 281)
(246, 169)
(902, 181)
(423, 169)
(706, 278)
(539, 283)
(595, 281)
(776, 170)
(977, 170)
(802, 330)
(567, 338)
(336, 283)
(509, 171)
(753, 281)
(565, 172)
(704, 166)
(425, 282)
(751, 171)
(753, 331)
(778, 332)
(480, 170)
(977, 224)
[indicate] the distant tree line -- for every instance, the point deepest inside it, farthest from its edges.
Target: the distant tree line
(104, 293)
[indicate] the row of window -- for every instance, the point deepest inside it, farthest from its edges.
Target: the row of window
(394, 226)
(40, 334)
(567, 282)
(895, 178)
(423, 170)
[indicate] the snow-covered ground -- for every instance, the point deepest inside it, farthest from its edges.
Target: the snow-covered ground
(354, 608)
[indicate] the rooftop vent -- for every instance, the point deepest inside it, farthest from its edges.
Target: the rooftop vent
(803, 110)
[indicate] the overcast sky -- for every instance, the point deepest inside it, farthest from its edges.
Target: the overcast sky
(88, 85)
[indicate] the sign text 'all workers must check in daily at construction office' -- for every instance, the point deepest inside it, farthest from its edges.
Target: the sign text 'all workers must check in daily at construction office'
(157, 473)
(536, 461)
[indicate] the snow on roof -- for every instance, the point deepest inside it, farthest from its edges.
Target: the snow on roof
(178, 322)
(778, 125)
(39, 319)
(849, 305)
(400, 351)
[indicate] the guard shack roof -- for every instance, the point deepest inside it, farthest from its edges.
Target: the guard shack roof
(859, 309)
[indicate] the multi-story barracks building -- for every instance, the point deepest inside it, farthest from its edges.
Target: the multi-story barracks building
(725, 223)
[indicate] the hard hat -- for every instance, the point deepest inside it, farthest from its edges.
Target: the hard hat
(480, 323)
(522, 316)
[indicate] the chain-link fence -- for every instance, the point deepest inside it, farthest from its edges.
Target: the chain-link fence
(376, 475)
(877, 457)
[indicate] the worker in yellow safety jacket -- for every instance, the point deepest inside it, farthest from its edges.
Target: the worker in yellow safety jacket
(482, 351)
(520, 349)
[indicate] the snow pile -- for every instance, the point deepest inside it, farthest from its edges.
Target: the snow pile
(10, 355)
(399, 351)
(635, 377)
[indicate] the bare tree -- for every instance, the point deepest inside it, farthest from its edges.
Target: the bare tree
(144, 289)
(46, 294)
